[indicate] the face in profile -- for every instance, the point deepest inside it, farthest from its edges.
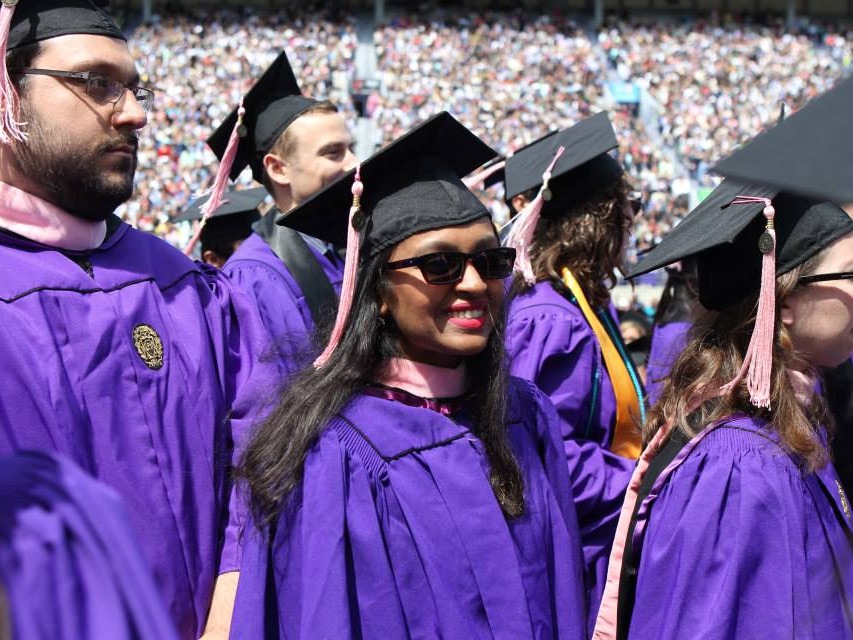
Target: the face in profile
(81, 151)
(441, 324)
(819, 315)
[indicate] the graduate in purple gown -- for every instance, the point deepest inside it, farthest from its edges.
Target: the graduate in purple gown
(118, 352)
(740, 527)
(406, 486)
(294, 145)
(561, 333)
(671, 324)
(70, 565)
(560, 316)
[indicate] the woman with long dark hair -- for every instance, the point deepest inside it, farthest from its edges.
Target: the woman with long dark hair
(740, 528)
(406, 486)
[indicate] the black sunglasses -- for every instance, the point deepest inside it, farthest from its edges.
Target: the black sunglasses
(826, 277)
(448, 267)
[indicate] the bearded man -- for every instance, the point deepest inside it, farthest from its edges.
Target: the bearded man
(117, 351)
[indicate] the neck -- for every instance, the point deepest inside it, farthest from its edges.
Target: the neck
(426, 380)
(40, 221)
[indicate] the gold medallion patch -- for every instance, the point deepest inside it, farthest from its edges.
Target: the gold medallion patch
(148, 346)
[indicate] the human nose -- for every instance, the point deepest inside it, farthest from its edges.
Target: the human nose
(129, 112)
(349, 160)
(471, 279)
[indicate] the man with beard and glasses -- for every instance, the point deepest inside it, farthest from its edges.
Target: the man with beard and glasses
(118, 352)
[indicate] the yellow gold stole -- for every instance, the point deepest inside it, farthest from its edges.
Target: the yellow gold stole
(626, 437)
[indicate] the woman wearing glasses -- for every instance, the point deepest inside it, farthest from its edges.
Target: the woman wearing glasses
(743, 529)
(406, 486)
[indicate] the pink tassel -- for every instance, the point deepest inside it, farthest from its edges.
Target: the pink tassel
(220, 182)
(10, 127)
(758, 362)
(477, 180)
(521, 235)
(356, 223)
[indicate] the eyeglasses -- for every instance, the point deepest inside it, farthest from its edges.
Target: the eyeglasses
(635, 199)
(826, 277)
(448, 267)
(99, 87)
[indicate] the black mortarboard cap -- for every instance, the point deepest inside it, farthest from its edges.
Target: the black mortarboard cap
(412, 185)
(584, 168)
(808, 153)
(37, 20)
(232, 220)
(271, 105)
(724, 237)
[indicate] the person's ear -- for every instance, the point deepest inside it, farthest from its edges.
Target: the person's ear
(519, 202)
(786, 313)
(212, 258)
(277, 169)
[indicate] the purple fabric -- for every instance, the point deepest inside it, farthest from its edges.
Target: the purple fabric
(668, 341)
(74, 381)
(259, 272)
(551, 344)
(394, 532)
(741, 544)
(70, 565)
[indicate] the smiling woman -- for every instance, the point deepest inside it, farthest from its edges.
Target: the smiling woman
(406, 486)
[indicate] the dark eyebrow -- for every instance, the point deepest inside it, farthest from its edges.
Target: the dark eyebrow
(486, 242)
(108, 69)
(332, 146)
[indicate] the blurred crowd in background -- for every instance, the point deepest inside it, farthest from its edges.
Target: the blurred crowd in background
(706, 88)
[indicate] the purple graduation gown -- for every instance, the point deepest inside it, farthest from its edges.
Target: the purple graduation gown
(551, 344)
(280, 303)
(394, 532)
(70, 565)
(740, 543)
(140, 367)
(668, 341)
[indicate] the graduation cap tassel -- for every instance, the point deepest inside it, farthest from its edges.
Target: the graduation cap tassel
(220, 182)
(758, 362)
(521, 235)
(10, 128)
(357, 222)
(477, 180)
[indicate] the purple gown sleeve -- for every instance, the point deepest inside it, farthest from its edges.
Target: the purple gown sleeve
(70, 563)
(278, 309)
(327, 545)
(724, 555)
(252, 379)
(598, 480)
(559, 354)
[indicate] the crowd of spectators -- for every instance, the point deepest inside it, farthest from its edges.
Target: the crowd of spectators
(201, 64)
(720, 85)
(509, 77)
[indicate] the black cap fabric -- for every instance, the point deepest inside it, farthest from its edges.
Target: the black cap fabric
(37, 20)
(724, 237)
(584, 168)
(234, 202)
(412, 185)
(808, 153)
(232, 221)
(271, 105)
